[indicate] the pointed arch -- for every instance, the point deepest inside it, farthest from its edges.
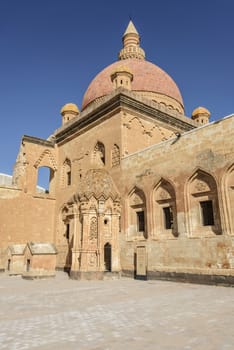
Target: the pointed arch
(46, 159)
(137, 223)
(99, 154)
(202, 204)
(164, 209)
(45, 172)
(66, 173)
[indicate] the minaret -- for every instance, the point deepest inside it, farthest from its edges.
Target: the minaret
(131, 44)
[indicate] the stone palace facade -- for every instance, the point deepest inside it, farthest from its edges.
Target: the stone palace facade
(136, 187)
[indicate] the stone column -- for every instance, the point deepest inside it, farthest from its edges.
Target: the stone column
(115, 238)
(100, 242)
(76, 239)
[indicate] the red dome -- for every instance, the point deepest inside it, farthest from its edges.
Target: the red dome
(146, 77)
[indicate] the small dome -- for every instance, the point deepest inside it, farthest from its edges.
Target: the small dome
(70, 107)
(200, 110)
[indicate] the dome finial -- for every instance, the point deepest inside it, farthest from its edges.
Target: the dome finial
(131, 29)
(131, 44)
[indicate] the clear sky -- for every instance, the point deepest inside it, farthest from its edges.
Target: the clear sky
(50, 50)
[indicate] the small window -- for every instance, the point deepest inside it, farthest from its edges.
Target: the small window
(28, 265)
(9, 264)
(140, 221)
(207, 213)
(168, 218)
(99, 152)
(105, 221)
(69, 178)
(67, 234)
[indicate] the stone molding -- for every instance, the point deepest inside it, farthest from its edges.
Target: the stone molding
(123, 98)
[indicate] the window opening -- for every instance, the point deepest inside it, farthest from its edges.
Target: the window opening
(140, 221)
(69, 178)
(207, 213)
(28, 265)
(44, 176)
(9, 265)
(168, 218)
(67, 234)
(100, 152)
(107, 256)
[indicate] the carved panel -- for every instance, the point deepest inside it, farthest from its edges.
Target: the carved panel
(48, 159)
(92, 261)
(115, 156)
(200, 186)
(93, 231)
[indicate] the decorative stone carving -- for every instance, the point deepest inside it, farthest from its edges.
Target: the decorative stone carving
(46, 154)
(163, 194)
(117, 208)
(93, 231)
(115, 155)
(99, 184)
(136, 200)
(201, 186)
(92, 260)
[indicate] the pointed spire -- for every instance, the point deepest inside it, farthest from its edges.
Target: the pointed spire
(131, 29)
(131, 44)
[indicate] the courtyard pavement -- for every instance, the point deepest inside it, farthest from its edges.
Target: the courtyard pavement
(113, 315)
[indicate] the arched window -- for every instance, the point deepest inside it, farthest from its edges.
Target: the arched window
(66, 173)
(99, 153)
(45, 179)
(115, 155)
(165, 213)
(137, 214)
(203, 206)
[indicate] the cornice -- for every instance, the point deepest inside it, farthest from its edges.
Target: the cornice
(124, 99)
(37, 141)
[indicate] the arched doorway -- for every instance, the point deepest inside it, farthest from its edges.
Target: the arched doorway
(107, 256)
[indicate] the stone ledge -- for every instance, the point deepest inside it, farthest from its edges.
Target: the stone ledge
(86, 275)
(32, 277)
(198, 278)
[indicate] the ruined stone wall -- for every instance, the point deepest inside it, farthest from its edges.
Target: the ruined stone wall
(28, 214)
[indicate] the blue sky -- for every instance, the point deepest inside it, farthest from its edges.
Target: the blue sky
(52, 49)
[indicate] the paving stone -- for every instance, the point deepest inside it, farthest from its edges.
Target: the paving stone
(109, 315)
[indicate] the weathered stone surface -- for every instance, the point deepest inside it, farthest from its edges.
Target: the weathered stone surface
(128, 171)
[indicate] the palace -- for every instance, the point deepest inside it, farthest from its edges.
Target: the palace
(136, 187)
